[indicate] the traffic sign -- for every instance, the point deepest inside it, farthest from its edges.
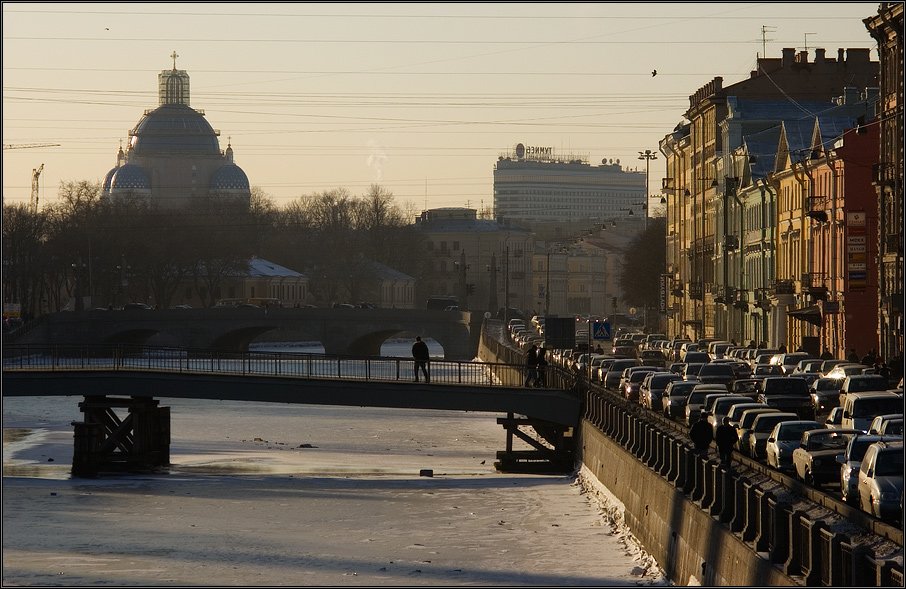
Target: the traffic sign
(601, 330)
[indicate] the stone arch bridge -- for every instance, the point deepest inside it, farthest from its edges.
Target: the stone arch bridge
(340, 331)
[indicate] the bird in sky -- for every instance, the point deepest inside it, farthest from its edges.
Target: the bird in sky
(653, 73)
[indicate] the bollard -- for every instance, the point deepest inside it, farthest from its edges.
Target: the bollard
(797, 535)
(815, 553)
(728, 494)
(708, 496)
(740, 504)
(663, 463)
(672, 452)
(698, 489)
(779, 549)
(687, 469)
(762, 537)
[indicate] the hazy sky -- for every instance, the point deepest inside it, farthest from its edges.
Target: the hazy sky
(420, 98)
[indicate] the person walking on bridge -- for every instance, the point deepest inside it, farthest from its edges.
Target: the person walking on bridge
(531, 366)
(421, 356)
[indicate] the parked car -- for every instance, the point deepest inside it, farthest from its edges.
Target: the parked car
(881, 481)
(815, 461)
(632, 382)
(787, 393)
(652, 392)
(690, 371)
(825, 395)
(716, 373)
(834, 418)
(735, 412)
(761, 430)
(860, 383)
(652, 358)
(860, 408)
(841, 371)
(745, 425)
(674, 398)
(788, 361)
(612, 378)
(721, 408)
(888, 424)
(750, 387)
(762, 370)
(783, 440)
(851, 461)
(696, 399)
(828, 365)
(808, 366)
(696, 357)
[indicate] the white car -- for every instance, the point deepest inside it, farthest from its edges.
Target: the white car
(881, 480)
(850, 463)
(785, 438)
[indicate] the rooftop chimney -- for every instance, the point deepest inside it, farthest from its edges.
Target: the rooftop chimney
(819, 56)
(789, 54)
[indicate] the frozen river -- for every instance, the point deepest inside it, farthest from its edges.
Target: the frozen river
(272, 494)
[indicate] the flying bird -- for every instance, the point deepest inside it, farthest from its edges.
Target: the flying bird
(653, 73)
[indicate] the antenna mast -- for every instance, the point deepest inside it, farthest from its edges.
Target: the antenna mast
(764, 31)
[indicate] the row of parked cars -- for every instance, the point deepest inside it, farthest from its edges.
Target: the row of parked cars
(827, 422)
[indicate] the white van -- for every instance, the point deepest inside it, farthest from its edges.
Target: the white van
(860, 408)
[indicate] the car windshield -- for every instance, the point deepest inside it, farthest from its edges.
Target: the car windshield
(828, 441)
(786, 386)
(794, 430)
(638, 375)
(682, 390)
(889, 463)
(858, 448)
(716, 369)
(868, 383)
(871, 407)
(767, 422)
(749, 418)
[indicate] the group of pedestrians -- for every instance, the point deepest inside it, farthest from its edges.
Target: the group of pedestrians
(703, 433)
(535, 367)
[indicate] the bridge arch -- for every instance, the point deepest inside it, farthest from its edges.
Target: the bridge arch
(238, 340)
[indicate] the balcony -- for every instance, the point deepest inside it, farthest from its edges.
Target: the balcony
(782, 287)
(695, 290)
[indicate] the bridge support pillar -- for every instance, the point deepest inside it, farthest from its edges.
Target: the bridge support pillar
(554, 446)
(136, 443)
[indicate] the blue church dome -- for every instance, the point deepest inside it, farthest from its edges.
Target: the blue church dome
(105, 189)
(129, 177)
(229, 177)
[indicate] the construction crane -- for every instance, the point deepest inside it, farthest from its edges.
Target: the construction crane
(28, 145)
(35, 186)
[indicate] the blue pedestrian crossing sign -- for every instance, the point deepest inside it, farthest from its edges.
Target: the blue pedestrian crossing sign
(601, 330)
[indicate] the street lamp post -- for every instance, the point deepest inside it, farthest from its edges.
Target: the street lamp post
(647, 155)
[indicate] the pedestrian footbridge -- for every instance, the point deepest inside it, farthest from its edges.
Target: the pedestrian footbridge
(133, 378)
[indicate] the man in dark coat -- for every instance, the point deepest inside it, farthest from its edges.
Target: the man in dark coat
(701, 433)
(421, 356)
(725, 437)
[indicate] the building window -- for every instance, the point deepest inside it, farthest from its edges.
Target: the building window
(455, 246)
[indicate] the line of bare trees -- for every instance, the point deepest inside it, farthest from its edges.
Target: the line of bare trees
(116, 250)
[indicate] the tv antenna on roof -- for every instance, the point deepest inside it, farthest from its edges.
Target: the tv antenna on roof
(764, 30)
(805, 36)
